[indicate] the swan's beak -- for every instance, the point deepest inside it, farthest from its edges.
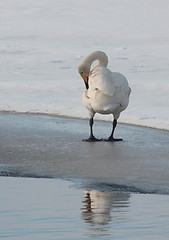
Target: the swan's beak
(86, 79)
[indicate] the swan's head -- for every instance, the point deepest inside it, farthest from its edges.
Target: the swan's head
(84, 70)
(86, 63)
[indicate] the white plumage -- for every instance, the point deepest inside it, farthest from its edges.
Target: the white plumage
(106, 92)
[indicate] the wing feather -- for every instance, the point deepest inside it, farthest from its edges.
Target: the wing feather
(101, 79)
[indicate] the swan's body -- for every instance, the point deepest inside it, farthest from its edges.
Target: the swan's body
(106, 92)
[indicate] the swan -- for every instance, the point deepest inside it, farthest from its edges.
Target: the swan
(106, 92)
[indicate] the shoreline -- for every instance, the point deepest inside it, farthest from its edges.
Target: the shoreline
(88, 184)
(77, 118)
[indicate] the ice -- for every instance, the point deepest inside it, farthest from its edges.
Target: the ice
(35, 145)
(42, 43)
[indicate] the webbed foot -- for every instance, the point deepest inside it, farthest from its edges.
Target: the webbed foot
(92, 139)
(110, 139)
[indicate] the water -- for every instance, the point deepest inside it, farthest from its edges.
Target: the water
(58, 209)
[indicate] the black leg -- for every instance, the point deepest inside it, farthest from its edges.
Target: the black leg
(91, 137)
(111, 138)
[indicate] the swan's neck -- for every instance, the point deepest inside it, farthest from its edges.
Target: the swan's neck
(99, 56)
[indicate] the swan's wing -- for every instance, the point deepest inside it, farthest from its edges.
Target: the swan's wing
(120, 82)
(101, 79)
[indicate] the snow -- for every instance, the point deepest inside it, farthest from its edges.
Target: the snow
(42, 43)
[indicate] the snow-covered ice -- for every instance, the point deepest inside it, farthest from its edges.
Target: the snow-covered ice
(42, 43)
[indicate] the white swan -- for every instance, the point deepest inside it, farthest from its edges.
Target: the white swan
(106, 92)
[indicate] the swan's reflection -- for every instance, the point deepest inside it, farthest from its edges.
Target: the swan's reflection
(100, 208)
